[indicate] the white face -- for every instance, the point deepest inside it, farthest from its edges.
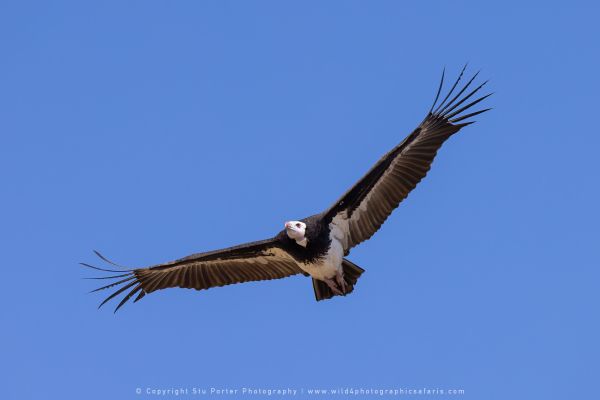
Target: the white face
(295, 230)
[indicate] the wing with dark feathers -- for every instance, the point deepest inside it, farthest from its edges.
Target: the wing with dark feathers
(364, 208)
(256, 261)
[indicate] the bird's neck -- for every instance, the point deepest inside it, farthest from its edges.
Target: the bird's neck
(302, 242)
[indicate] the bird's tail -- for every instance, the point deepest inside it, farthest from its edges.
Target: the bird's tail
(351, 274)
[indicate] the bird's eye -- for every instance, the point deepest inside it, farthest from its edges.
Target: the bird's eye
(298, 225)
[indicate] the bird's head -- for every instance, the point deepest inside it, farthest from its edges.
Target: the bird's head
(296, 230)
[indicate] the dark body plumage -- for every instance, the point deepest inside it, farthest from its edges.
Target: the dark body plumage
(330, 235)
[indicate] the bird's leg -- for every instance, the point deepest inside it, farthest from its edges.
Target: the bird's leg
(339, 277)
(333, 286)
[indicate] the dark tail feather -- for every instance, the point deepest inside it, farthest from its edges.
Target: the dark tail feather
(351, 274)
(322, 291)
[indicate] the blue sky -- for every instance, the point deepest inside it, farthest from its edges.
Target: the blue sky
(150, 130)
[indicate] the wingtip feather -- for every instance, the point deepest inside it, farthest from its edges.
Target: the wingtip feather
(437, 96)
(469, 115)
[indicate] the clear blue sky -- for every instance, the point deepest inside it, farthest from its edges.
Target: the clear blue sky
(150, 130)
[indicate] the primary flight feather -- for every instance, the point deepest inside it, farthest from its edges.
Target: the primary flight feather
(315, 246)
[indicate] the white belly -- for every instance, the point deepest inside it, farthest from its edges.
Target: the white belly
(329, 265)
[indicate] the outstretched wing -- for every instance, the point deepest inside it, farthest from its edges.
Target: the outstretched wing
(254, 261)
(364, 208)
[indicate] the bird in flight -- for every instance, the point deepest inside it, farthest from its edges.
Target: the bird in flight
(315, 246)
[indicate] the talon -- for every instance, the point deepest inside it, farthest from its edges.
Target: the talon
(332, 285)
(339, 277)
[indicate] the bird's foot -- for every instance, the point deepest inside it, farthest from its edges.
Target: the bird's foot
(339, 278)
(333, 286)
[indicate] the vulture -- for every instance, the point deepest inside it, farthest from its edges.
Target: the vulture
(316, 246)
